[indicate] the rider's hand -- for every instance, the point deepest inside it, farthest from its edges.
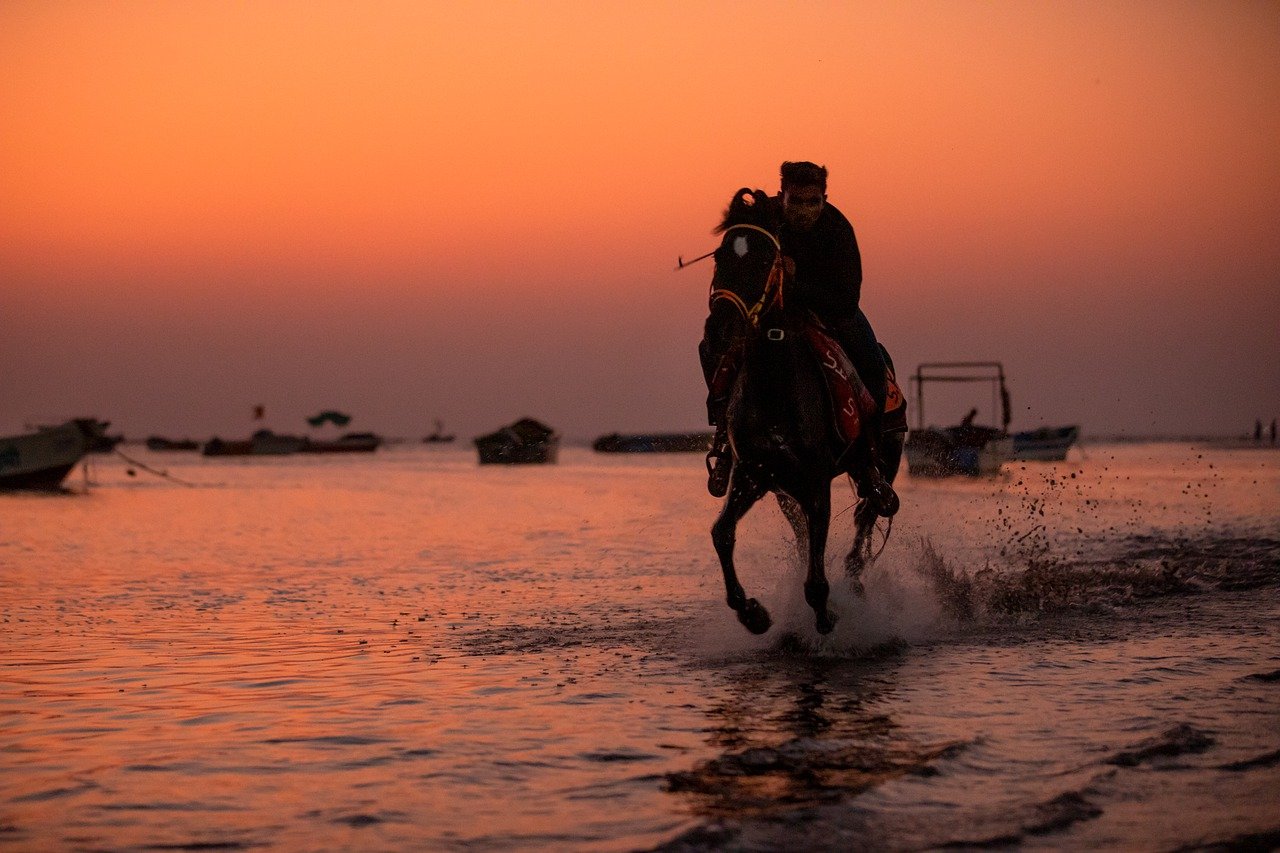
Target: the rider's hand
(789, 264)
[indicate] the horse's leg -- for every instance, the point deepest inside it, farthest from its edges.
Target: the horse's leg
(816, 589)
(860, 553)
(742, 496)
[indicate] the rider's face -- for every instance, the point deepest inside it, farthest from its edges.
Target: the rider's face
(802, 205)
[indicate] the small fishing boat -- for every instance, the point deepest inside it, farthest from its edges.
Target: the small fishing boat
(42, 459)
(264, 442)
(159, 442)
(966, 448)
(439, 436)
(95, 432)
(653, 442)
(352, 442)
(1046, 444)
(526, 441)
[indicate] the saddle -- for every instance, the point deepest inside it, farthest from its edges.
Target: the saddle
(850, 400)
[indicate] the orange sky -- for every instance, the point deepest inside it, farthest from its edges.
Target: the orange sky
(471, 211)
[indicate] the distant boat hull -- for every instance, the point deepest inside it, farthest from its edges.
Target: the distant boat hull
(526, 442)
(356, 442)
(684, 442)
(41, 460)
(1048, 444)
(946, 452)
(263, 443)
(156, 442)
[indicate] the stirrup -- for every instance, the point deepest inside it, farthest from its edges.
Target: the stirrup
(719, 467)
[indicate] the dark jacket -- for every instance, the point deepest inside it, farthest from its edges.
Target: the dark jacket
(828, 265)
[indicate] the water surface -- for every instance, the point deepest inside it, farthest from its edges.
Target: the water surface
(406, 650)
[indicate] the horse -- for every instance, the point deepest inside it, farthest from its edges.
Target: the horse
(780, 419)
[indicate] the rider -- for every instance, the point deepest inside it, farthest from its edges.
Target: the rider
(821, 251)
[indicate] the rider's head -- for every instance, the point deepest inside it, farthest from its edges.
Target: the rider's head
(804, 191)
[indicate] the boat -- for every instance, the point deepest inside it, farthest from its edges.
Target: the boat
(941, 452)
(158, 442)
(95, 432)
(42, 459)
(526, 441)
(264, 442)
(439, 436)
(966, 448)
(352, 442)
(1046, 444)
(654, 442)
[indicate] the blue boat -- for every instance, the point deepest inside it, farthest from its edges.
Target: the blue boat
(1047, 444)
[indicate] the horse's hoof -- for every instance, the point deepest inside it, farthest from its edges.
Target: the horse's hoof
(826, 622)
(754, 617)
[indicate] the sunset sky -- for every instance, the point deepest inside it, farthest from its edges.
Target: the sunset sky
(472, 211)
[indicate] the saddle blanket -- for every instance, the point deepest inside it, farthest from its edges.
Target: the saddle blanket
(849, 397)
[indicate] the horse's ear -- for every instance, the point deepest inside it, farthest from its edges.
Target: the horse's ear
(743, 206)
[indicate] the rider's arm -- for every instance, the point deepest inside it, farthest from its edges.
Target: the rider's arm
(847, 260)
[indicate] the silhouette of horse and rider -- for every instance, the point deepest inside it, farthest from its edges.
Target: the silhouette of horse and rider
(792, 411)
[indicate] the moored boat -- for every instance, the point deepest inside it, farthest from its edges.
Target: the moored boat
(966, 448)
(352, 442)
(1046, 444)
(438, 435)
(95, 432)
(943, 451)
(654, 442)
(41, 459)
(264, 442)
(158, 442)
(526, 441)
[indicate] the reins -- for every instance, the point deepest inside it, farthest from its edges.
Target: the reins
(771, 296)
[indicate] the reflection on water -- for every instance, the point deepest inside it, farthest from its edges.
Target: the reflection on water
(796, 732)
(408, 651)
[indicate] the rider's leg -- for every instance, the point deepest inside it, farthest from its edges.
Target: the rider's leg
(859, 341)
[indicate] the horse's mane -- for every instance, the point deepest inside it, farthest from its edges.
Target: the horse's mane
(750, 207)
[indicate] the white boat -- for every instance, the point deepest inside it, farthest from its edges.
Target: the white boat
(41, 459)
(966, 448)
(943, 451)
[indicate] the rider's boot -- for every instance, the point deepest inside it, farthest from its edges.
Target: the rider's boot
(882, 495)
(895, 421)
(719, 464)
(874, 486)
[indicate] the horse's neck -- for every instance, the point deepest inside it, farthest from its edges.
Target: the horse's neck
(782, 376)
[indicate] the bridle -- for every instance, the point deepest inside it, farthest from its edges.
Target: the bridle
(770, 298)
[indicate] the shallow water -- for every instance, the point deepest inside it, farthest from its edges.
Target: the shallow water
(410, 651)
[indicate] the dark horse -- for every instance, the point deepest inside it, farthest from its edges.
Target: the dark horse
(780, 415)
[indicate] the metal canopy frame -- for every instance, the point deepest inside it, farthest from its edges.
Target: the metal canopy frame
(992, 373)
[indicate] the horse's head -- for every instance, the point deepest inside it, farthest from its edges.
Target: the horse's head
(748, 280)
